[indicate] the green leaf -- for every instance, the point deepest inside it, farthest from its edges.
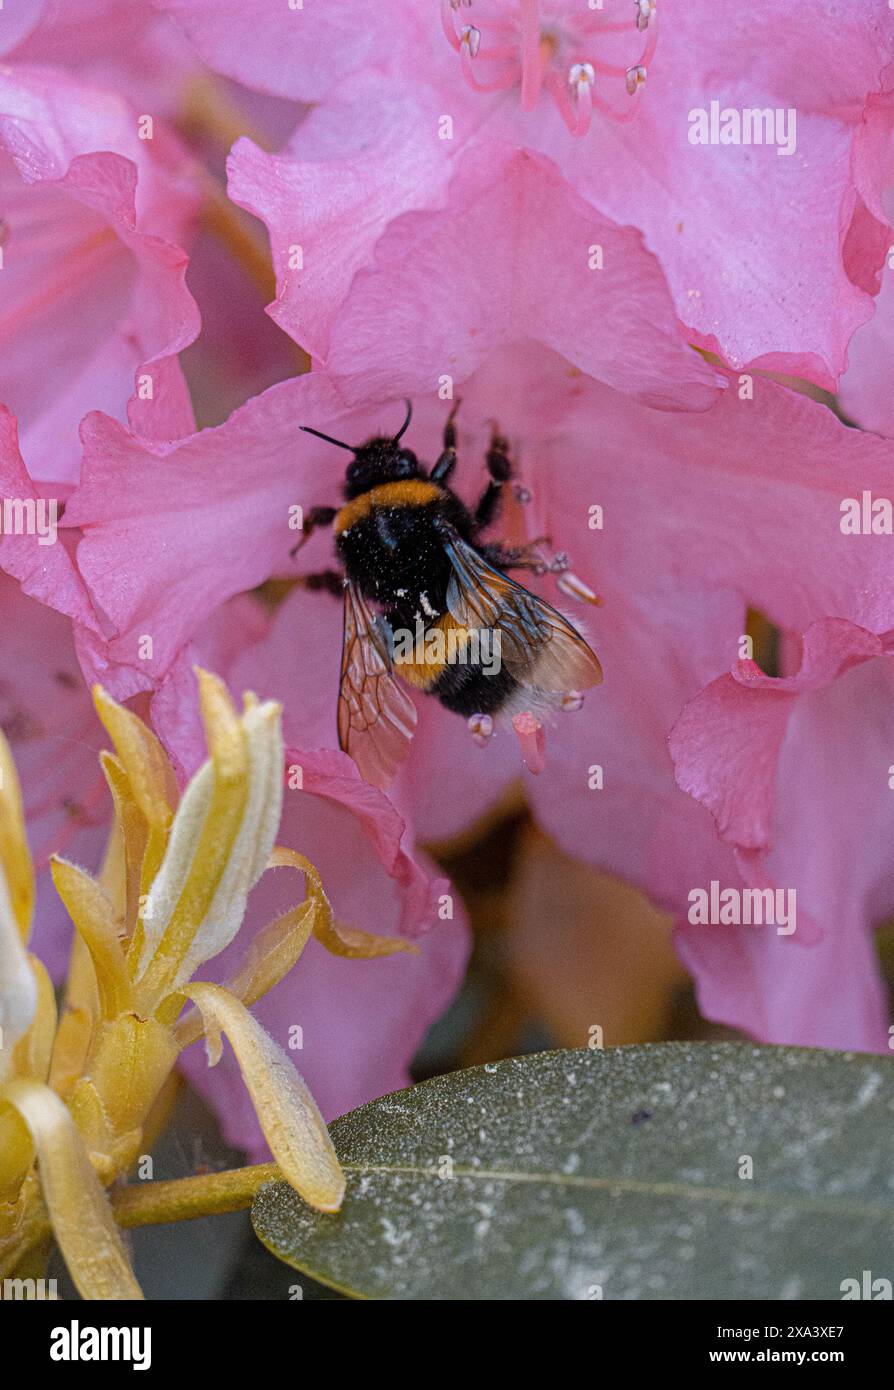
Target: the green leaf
(587, 1174)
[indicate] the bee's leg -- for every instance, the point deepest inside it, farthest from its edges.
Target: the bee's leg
(447, 462)
(332, 581)
(499, 466)
(524, 557)
(527, 557)
(317, 516)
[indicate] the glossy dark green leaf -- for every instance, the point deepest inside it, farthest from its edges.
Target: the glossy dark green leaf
(616, 1174)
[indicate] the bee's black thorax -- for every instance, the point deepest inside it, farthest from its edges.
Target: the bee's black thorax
(390, 546)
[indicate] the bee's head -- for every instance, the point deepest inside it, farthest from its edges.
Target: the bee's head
(379, 460)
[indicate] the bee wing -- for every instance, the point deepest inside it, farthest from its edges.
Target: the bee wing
(376, 717)
(538, 646)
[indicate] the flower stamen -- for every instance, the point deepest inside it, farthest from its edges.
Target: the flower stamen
(636, 78)
(471, 39)
(645, 9)
(481, 727)
(532, 740)
(581, 80)
(558, 59)
(575, 588)
(532, 56)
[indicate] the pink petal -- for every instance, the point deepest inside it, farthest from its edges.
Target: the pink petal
(220, 501)
(81, 191)
(38, 560)
(822, 810)
(331, 774)
(47, 716)
(17, 22)
(301, 52)
(864, 391)
(727, 741)
(444, 310)
(115, 43)
(782, 297)
(311, 203)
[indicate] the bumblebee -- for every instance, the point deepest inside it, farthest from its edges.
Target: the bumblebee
(415, 566)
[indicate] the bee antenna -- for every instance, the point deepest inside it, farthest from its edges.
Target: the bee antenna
(403, 429)
(339, 443)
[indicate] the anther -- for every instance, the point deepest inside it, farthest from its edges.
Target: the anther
(481, 727)
(571, 701)
(522, 494)
(532, 740)
(582, 80)
(576, 588)
(644, 12)
(582, 74)
(471, 37)
(560, 562)
(636, 78)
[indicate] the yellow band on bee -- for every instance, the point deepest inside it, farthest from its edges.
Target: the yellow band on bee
(415, 492)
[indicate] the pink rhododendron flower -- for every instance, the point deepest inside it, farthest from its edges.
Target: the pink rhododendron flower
(94, 306)
(704, 514)
(401, 110)
(796, 772)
